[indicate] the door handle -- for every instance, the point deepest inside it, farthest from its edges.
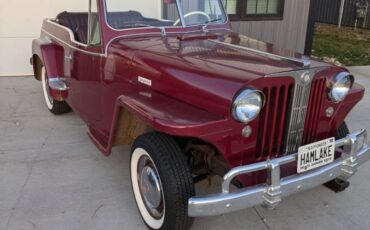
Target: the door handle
(69, 57)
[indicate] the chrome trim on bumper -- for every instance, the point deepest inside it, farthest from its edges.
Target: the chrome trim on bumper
(271, 193)
(58, 83)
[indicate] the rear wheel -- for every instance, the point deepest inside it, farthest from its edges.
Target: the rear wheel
(161, 182)
(54, 106)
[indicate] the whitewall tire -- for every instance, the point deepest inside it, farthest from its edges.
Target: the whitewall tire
(54, 106)
(161, 182)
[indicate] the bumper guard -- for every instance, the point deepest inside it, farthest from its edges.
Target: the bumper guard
(356, 152)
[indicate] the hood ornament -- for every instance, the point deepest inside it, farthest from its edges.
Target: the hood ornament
(306, 77)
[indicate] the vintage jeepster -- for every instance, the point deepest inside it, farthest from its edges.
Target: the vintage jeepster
(195, 99)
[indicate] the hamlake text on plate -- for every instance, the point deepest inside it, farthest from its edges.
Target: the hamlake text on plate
(315, 155)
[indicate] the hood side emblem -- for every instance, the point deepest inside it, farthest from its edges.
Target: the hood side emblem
(144, 81)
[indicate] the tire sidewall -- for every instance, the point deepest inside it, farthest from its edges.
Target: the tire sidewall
(171, 191)
(151, 222)
(46, 90)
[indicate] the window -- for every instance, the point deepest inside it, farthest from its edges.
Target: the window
(128, 14)
(243, 10)
(94, 37)
(198, 12)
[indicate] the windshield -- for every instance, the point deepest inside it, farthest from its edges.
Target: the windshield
(125, 14)
(202, 12)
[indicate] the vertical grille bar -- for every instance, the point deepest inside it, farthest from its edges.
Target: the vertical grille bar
(273, 121)
(280, 131)
(312, 120)
(309, 119)
(263, 124)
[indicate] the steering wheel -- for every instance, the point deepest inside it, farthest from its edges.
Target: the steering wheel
(191, 14)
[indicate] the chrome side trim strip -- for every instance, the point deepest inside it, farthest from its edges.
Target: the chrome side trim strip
(105, 54)
(303, 63)
(271, 193)
(71, 46)
(71, 36)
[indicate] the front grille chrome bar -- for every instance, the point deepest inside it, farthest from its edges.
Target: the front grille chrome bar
(298, 115)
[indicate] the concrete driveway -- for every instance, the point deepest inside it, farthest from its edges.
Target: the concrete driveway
(53, 178)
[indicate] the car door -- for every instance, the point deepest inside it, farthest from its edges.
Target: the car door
(85, 67)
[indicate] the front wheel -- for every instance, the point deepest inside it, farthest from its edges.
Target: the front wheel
(161, 181)
(54, 106)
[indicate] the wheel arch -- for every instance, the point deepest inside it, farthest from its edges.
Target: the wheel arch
(37, 66)
(128, 127)
(137, 112)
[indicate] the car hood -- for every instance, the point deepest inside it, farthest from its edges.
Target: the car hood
(205, 70)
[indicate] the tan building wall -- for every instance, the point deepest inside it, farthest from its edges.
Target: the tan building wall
(20, 22)
(289, 33)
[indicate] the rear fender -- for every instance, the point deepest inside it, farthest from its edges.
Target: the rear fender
(51, 57)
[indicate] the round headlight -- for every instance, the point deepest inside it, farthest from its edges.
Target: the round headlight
(248, 105)
(340, 89)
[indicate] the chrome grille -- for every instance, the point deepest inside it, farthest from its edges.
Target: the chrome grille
(298, 107)
(297, 116)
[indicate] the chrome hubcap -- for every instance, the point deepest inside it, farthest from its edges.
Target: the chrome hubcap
(150, 187)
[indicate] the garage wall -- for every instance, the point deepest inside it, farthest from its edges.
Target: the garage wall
(289, 33)
(20, 22)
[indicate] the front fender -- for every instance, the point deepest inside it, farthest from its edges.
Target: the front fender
(164, 114)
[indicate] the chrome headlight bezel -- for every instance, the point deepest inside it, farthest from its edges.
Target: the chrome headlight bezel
(256, 100)
(340, 87)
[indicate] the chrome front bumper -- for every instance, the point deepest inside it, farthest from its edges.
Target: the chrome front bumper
(356, 151)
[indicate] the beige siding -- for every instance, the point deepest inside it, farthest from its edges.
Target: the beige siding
(289, 33)
(20, 23)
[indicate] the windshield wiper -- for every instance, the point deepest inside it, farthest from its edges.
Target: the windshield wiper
(205, 27)
(213, 20)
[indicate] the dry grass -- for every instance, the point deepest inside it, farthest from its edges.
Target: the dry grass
(348, 46)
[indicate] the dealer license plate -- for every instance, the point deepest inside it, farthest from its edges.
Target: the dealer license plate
(316, 155)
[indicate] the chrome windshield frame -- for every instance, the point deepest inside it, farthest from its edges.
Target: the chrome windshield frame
(181, 13)
(181, 17)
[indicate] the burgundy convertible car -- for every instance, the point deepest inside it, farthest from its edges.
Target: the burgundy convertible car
(196, 99)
